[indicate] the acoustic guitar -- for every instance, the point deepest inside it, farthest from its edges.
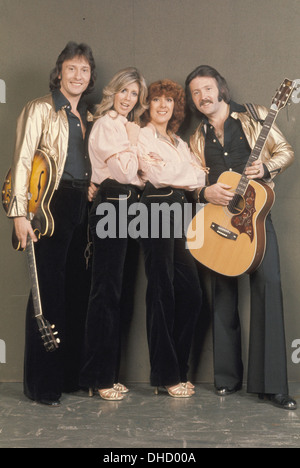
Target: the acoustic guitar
(231, 240)
(41, 188)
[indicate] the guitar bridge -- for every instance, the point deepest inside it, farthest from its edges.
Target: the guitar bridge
(224, 232)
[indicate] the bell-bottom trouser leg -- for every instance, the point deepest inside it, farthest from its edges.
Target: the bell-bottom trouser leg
(47, 374)
(267, 369)
(173, 301)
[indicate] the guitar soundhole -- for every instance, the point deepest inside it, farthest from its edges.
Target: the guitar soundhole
(237, 205)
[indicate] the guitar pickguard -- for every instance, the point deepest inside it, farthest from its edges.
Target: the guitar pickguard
(244, 221)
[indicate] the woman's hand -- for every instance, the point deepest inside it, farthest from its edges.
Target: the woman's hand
(92, 191)
(133, 131)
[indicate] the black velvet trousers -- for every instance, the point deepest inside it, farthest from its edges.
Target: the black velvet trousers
(64, 288)
(101, 361)
(267, 369)
(174, 295)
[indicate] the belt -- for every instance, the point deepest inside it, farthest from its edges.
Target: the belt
(74, 183)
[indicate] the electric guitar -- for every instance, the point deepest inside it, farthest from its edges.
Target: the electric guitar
(40, 192)
(231, 240)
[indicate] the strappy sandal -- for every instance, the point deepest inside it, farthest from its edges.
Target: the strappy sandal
(177, 391)
(188, 385)
(110, 394)
(120, 388)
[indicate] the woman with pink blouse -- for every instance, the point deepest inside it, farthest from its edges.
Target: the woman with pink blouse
(113, 155)
(174, 294)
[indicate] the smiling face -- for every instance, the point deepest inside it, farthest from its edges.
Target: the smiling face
(126, 99)
(74, 77)
(205, 95)
(161, 110)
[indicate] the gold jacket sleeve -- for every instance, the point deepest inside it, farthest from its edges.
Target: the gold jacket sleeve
(38, 126)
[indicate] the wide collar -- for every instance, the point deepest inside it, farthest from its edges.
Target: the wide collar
(162, 137)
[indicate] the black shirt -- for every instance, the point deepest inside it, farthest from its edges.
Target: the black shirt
(77, 164)
(236, 150)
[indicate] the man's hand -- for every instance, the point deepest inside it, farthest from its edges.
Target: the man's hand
(218, 194)
(255, 171)
(23, 228)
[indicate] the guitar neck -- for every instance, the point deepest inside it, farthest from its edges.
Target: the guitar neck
(45, 328)
(256, 151)
(33, 278)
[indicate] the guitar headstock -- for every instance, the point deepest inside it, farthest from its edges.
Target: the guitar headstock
(48, 334)
(283, 94)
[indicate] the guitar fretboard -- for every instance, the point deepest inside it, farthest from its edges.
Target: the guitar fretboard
(33, 277)
(256, 151)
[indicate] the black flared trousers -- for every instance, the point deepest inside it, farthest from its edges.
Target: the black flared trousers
(174, 295)
(267, 368)
(64, 287)
(101, 360)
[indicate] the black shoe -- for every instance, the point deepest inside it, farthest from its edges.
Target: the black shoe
(53, 403)
(224, 391)
(280, 400)
(283, 401)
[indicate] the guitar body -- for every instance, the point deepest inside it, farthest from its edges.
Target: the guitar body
(41, 189)
(232, 241)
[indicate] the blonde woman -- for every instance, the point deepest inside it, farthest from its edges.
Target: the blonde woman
(113, 154)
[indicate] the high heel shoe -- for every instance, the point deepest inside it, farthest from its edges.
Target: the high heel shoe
(109, 394)
(177, 391)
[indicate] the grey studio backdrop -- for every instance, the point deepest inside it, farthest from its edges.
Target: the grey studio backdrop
(255, 44)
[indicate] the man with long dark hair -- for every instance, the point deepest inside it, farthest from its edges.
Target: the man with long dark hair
(223, 141)
(57, 124)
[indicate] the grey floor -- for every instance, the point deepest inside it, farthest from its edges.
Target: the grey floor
(145, 420)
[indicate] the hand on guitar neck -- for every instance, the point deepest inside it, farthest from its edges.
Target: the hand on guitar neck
(255, 171)
(23, 229)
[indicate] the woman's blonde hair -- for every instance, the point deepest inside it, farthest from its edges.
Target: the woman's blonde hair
(118, 82)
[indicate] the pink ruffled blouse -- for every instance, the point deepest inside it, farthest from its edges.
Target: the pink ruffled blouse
(165, 164)
(111, 153)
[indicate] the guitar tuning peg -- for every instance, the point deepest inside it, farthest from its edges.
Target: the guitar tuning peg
(57, 340)
(55, 333)
(52, 326)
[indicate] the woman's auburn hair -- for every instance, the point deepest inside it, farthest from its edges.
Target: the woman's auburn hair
(171, 89)
(118, 82)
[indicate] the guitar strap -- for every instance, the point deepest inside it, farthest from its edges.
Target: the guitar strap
(251, 109)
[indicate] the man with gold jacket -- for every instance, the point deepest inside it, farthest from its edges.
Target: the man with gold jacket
(58, 125)
(223, 141)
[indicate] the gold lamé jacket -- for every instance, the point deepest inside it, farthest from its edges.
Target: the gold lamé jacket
(277, 153)
(39, 126)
